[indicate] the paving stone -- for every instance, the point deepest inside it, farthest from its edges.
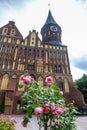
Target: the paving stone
(81, 123)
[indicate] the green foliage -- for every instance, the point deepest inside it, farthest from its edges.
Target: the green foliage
(36, 96)
(81, 84)
(6, 123)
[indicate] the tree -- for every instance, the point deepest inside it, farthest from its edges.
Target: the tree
(81, 84)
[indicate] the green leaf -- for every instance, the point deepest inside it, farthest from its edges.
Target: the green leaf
(29, 112)
(20, 85)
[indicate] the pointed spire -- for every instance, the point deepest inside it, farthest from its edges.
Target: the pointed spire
(50, 19)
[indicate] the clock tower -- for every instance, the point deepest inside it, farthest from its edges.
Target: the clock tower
(51, 31)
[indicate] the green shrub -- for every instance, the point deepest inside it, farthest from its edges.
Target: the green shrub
(6, 123)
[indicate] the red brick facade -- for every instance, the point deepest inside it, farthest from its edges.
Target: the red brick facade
(37, 56)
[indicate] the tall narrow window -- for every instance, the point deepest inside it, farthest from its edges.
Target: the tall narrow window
(55, 68)
(25, 51)
(13, 32)
(59, 69)
(5, 30)
(60, 84)
(20, 51)
(30, 67)
(1, 38)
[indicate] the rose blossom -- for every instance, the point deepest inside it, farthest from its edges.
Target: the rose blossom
(49, 80)
(61, 92)
(36, 100)
(27, 80)
(58, 111)
(22, 77)
(52, 106)
(52, 123)
(46, 108)
(38, 110)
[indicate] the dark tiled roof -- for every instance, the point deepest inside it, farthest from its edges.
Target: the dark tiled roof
(53, 42)
(50, 19)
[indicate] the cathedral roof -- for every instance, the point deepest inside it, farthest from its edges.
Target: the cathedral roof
(53, 42)
(50, 19)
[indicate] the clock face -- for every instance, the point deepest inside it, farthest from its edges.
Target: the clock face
(53, 28)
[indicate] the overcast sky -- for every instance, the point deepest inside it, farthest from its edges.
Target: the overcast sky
(71, 15)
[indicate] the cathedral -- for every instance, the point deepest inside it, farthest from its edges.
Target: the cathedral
(37, 56)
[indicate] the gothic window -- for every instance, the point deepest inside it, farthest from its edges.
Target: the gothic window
(25, 51)
(20, 51)
(1, 38)
(5, 30)
(8, 49)
(60, 84)
(30, 67)
(55, 68)
(37, 53)
(3, 48)
(34, 52)
(42, 53)
(29, 52)
(54, 55)
(59, 69)
(12, 32)
(12, 49)
(13, 40)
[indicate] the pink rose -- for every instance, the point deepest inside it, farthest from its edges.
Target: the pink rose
(46, 108)
(53, 123)
(38, 110)
(49, 80)
(61, 92)
(27, 80)
(58, 111)
(36, 101)
(52, 106)
(22, 77)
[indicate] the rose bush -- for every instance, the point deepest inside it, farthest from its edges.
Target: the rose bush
(47, 104)
(6, 123)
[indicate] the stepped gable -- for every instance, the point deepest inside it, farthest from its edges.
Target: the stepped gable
(9, 26)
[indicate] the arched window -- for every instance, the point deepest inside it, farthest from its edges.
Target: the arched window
(20, 51)
(3, 48)
(25, 51)
(59, 69)
(60, 84)
(42, 53)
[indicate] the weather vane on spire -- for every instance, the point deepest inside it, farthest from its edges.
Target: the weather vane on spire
(49, 5)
